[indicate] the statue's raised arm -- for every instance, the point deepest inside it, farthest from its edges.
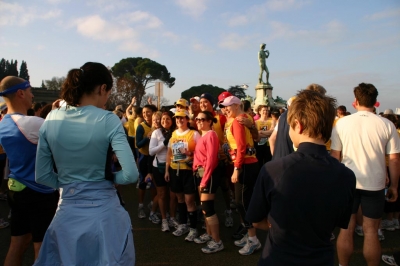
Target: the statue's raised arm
(262, 57)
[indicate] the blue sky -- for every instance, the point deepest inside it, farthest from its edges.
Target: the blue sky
(337, 44)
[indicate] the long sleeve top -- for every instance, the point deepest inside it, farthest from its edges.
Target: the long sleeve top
(76, 140)
(206, 155)
(157, 147)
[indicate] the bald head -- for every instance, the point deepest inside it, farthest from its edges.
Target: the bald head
(9, 82)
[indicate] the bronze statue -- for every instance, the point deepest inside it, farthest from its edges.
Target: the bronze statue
(262, 57)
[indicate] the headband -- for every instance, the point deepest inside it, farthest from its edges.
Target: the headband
(21, 86)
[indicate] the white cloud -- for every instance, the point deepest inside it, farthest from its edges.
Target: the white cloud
(15, 14)
(199, 47)
(194, 8)
(234, 41)
(107, 6)
(55, 2)
(278, 5)
(331, 32)
(171, 36)
(141, 18)
(96, 28)
(384, 14)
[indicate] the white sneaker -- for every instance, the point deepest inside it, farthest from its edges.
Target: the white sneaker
(141, 213)
(359, 231)
(164, 226)
(250, 247)
(381, 236)
(396, 224)
(228, 219)
(182, 229)
(154, 219)
(202, 239)
(213, 247)
(242, 242)
(172, 222)
(389, 260)
(192, 235)
(388, 225)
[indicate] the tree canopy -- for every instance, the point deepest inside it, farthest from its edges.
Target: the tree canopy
(237, 91)
(135, 74)
(54, 84)
(8, 68)
(199, 90)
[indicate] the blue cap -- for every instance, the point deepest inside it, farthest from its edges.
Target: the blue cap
(208, 97)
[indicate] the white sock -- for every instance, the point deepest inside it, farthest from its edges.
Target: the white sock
(140, 205)
(151, 212)
(229, 211)
(253, 239)
(164, 220)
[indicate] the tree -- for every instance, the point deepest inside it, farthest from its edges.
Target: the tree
(23, 71)
(43, 86)
(2, 69)
(12, 69)
(55, 83)
(139, 72)
(237, 91)
(199, 90)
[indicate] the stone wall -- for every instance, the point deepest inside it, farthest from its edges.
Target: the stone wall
(43, 95)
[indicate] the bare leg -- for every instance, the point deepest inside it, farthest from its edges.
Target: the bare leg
(344, 244)
(18, 246)
(372, 247)
(212, 229)
(161, 194)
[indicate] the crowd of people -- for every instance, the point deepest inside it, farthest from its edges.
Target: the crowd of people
(279, 169)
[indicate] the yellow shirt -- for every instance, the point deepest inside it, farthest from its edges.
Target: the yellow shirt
(145, 150)
(180, 144)
(130, 126)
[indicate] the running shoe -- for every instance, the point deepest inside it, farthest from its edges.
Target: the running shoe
(388, 225)
(240, 232)
(359, 231)
(164, 226)
(202, 239)
(250, 247)
(3, 224)
(154, 219)
(389, 260)
(172, 222)
(213, 247)
(141, 213)
(396, 224)
(242, 242)
(381, 236)
(182, 229)
(192, 235)
(228, 218)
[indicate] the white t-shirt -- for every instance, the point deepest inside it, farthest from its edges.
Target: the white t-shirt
(157, 147)
(364, 139)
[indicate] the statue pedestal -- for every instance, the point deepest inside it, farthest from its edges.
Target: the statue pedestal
(262, 90)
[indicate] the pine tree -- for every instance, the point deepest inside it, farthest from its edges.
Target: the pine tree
(23, 71)
(2, 68)
(43, 86)
(12, 69)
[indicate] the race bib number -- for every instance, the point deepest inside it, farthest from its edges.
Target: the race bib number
(179, 151)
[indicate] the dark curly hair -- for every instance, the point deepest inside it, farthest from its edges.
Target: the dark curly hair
(84, 80)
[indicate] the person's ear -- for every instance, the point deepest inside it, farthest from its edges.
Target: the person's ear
(103, 89)
(298, 128)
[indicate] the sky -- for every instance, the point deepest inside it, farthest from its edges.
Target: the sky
(337, 44)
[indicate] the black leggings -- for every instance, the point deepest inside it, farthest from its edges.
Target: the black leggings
(244, 189)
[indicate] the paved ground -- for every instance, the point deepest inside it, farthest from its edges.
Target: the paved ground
(154, 247)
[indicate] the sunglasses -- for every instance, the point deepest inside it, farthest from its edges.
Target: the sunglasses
(200, 119)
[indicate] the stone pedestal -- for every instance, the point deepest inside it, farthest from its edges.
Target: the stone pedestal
(262, 90)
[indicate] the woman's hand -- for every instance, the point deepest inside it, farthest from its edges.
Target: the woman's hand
(166, 176)
(235, 177)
